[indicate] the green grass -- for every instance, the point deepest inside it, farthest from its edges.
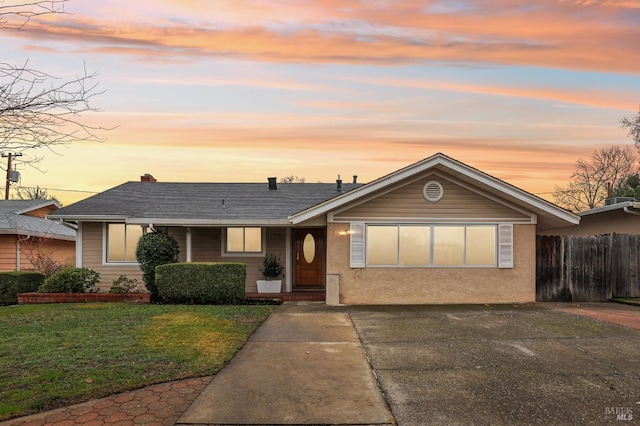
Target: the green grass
(56, 355)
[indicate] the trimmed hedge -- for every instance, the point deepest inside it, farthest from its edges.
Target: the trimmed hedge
(14, 282)
(71, 280)
(202, 283)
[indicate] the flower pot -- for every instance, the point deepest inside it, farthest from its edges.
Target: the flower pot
(272, 286)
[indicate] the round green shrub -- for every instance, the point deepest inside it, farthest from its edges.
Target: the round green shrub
(155, 249)
(71, 280)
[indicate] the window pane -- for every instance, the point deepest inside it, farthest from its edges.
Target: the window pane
(115, 242)
(481, 245)
(235, 239)
(382, 245)
(448, 245)
(414, 245)
(253, 240)
(134, 232)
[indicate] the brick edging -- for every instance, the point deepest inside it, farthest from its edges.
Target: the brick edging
(34, 298)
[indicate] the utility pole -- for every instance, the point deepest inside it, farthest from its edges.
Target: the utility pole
(9, 156)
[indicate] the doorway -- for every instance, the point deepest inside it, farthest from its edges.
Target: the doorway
(309, 258)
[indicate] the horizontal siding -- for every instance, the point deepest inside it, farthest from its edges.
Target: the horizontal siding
(7, 252)
(406, 201)
(92, 247)
(41, 212)
(205, 247)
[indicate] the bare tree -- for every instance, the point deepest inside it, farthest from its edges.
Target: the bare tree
(595, 180)
(16, 15)
(35, 193)
(37, 109)
(633, 127)
(292, 179)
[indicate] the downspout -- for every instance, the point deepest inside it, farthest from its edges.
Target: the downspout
(18, 250)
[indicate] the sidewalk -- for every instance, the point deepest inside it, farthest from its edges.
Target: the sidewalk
(304, 365)
(160, 404)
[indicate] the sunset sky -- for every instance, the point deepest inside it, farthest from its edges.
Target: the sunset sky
(240, 90)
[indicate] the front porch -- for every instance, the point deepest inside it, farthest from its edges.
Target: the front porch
(295, 296)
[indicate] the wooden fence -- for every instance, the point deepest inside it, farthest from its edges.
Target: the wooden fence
(587, 268)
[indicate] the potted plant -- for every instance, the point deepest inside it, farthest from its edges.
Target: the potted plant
(271, 269)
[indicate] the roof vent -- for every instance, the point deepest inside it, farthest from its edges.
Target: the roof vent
(355, 179)
(339, 184)
(432, 191)
(147, 178)
(272, 184)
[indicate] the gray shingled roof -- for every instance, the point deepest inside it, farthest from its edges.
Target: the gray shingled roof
(13, 222)
(214, 202)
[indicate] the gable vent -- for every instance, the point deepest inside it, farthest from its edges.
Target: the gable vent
(432, 191)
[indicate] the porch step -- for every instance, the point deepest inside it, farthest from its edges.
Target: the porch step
(300, 296)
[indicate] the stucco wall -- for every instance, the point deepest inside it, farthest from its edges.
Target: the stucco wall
(434, 285)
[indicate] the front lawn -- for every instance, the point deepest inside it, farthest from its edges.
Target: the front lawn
(56, 355)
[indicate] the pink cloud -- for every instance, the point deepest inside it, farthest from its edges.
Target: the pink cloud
(559, 35)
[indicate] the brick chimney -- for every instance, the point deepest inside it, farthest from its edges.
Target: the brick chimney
(147, 178)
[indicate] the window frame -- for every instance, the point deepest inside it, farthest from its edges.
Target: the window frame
(261, 253)
(432, 234)
(105, 248)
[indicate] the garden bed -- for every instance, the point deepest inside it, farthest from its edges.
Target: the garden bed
(35, 298)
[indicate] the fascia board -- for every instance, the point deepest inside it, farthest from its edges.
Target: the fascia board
(610, 208)
(207, 222)
(362, 191)
(37, 206)
(88, 218)
(518, 194)
(436, 160)
(36, 234)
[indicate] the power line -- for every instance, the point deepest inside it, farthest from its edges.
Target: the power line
(63, 190)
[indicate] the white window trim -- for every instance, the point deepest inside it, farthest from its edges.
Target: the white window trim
(105, 247)
(431, 265)
(261, 253)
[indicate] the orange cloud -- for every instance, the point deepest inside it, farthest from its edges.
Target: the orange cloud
(591, 98)
(600, 36)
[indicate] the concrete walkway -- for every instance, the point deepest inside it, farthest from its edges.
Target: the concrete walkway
(304, 365)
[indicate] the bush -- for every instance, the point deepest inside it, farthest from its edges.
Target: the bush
(71, 280)
(124, 284)
(46, 264)
(155, 249)
(12, 283)
(202, 283)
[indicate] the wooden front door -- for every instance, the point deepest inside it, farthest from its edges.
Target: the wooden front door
(309, 258)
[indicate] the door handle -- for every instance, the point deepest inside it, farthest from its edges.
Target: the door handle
(297, 256)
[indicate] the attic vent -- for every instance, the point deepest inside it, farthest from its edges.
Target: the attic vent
(432, 191)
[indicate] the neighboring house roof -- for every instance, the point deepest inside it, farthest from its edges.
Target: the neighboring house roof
(548, 214)
(627, 206)
(200, 203)
(15, 221)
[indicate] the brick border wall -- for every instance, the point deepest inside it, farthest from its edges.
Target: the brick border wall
(34, 298)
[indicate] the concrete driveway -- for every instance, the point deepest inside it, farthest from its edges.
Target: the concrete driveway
(501, 365)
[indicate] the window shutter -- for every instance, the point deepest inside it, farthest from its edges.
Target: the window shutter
(356, 233)
(505, 245)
